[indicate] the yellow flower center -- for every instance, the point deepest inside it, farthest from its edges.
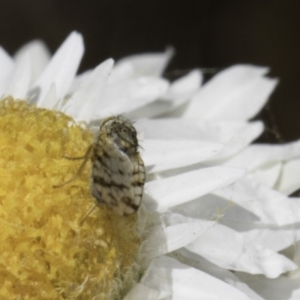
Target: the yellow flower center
(45, 253)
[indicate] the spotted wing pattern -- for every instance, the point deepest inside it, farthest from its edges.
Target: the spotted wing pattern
(118, 172)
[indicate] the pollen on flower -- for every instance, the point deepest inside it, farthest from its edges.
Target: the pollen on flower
(44, 252)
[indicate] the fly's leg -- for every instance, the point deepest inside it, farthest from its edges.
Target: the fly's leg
(87, 214)
(85, 158)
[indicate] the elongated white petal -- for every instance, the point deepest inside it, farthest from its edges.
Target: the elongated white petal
(122, 72)
(275, 239)
(51, 96)
(289, 180)
(236, 217)
(21, 78)
(162, 240)
(129, 95)
(255, 156)
(267, 174)
(78, 81)
(200, 263)
(236, 93)
(231, 250)
(233, 135)
(61, 69)
(213, 207)
(152, 64)
(232, 215)
(271, 237)
(273, 289)
(81, 106)
(39, 56)
(164, 155)
(270, 206)
(184, 282)
(172, 191)
(6, 70)
(246, 103)
(169, 129)
(185, 86)
(178, 93)
(151, 110)
(141, 291)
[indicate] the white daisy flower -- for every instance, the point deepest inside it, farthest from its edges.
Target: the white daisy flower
(216, 221)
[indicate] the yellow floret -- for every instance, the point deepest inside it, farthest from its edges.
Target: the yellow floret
(44, 252)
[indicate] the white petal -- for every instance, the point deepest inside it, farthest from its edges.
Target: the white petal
(178, 93)
(81, 106)
(255, 156)
(21, 78)
(233, 135)
(122, 72)
(236, 217)
(39, 55)
(282, 288)
(185, 86)
(175, 190)
(6, 70)
(164, 154)
(272, 237)
(270, 206)
(213, 207)
(168, 129)
(78, 81)
(231, 250)
(237, 93)
(152, 64)
(150, 110)
(61, 69)
(163, 240)
(128, 95)
(275, 239)
(206, 266)
(289, 181)
(141, 291)
(246, 103)
(183, 282)
(51, 96)
(267, 174)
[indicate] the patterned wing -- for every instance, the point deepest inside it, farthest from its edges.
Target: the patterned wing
(118, 172)
(138, 180)
(117, 179)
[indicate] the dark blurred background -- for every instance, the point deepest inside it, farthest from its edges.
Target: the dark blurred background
(204, 33)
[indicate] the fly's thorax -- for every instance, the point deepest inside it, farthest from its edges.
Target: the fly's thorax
(121, 132)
